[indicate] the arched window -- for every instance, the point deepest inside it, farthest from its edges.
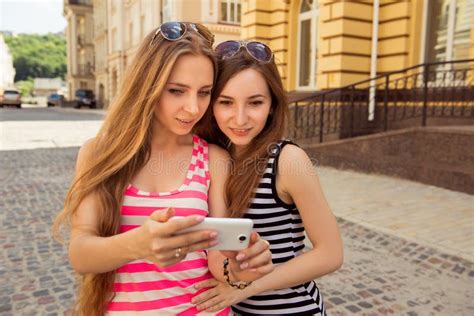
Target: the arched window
(307, 44)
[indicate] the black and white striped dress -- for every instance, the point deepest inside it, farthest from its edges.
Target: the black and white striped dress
(281, 225)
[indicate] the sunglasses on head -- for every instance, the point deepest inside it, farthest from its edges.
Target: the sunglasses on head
(257, 50)
(174, 31)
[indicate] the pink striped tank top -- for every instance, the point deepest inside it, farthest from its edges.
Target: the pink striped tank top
(143, 288)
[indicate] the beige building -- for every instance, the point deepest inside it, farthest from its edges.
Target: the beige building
(119, 26)
(7, 71)
(80, 45)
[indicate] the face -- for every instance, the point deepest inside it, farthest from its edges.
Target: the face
(242, 108)
(186, 96)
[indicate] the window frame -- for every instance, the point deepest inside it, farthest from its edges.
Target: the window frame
(313, 16)
(237, 14)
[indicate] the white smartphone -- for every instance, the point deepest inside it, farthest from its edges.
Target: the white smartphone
(233, 233)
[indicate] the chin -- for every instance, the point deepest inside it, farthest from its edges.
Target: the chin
(240, 142)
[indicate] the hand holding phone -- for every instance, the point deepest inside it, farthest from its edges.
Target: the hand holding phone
(232, 233)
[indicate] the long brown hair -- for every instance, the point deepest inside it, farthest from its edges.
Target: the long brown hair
(249, 164)
(121, 148)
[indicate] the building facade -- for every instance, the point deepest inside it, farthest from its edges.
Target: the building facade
(118, 27)
(7, 71)
(80, 45)
(328, 44)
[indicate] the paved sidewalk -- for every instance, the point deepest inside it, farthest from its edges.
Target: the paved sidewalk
(425, 214)
(382, 274)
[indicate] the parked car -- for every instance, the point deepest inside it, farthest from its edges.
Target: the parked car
(11, 97)
(84, 97)
(55, 99)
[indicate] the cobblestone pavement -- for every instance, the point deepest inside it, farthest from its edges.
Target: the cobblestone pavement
(382, 274)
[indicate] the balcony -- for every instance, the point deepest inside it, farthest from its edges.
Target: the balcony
(85, 70)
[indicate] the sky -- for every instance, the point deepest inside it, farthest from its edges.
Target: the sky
(32, 16)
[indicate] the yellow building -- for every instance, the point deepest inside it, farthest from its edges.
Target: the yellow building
(327, 44)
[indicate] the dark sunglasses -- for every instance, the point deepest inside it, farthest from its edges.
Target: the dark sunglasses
(174, 31)
(257, 50)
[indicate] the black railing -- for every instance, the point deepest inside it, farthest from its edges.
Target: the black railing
(431, 92)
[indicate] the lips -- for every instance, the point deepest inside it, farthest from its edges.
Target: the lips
(185, 121)
(240, 131)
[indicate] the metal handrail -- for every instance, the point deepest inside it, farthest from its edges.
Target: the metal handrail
(382, 76)
(425, 90)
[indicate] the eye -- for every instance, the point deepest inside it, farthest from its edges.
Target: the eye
(256, 102)
(175, 91)
(225, 102)
(205, 93)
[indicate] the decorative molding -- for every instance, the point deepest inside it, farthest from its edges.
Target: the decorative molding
(223, 28)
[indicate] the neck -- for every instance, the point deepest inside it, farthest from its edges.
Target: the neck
(164, 140)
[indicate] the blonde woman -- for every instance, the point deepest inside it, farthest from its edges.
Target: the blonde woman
(145, 166)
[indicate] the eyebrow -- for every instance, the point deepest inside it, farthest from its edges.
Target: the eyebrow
(251, 97)
(186, 86)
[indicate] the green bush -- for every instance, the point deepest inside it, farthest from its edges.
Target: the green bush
(38, 56)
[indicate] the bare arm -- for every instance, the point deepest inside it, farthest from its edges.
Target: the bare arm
(154, 240)
(219, 168)
(299, 180)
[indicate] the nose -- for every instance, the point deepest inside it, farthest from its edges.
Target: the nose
(241, 116)
(192, 105)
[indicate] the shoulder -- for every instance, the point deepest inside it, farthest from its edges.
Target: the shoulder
(293, 161)
(219, 161)
(216, 152)
(84, 155)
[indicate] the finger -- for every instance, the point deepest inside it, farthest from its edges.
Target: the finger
(204, 296)
(177, 224)
(191, 238)
(254, 237)
(253, 250)
(260, 260)
(266, 268)
(219, 306)
(209, 303)
(229, 254)
(202, 245)
(205, 284)
(162, 215)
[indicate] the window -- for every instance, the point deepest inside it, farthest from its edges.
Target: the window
(230, 11)
(448, 30)
(307, 44)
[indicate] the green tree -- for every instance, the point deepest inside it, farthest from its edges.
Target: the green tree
(38, 55)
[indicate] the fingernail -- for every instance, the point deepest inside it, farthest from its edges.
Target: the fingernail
(244, 265)
(253, 270)
(199, 218)
(213, 234)
(240, 257)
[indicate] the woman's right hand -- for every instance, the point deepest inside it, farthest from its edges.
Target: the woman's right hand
(158, 241)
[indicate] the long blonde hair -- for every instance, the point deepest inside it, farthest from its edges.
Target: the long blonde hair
(121, 148)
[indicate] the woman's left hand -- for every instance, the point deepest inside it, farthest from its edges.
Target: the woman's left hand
(253, 262)
(219, 296)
